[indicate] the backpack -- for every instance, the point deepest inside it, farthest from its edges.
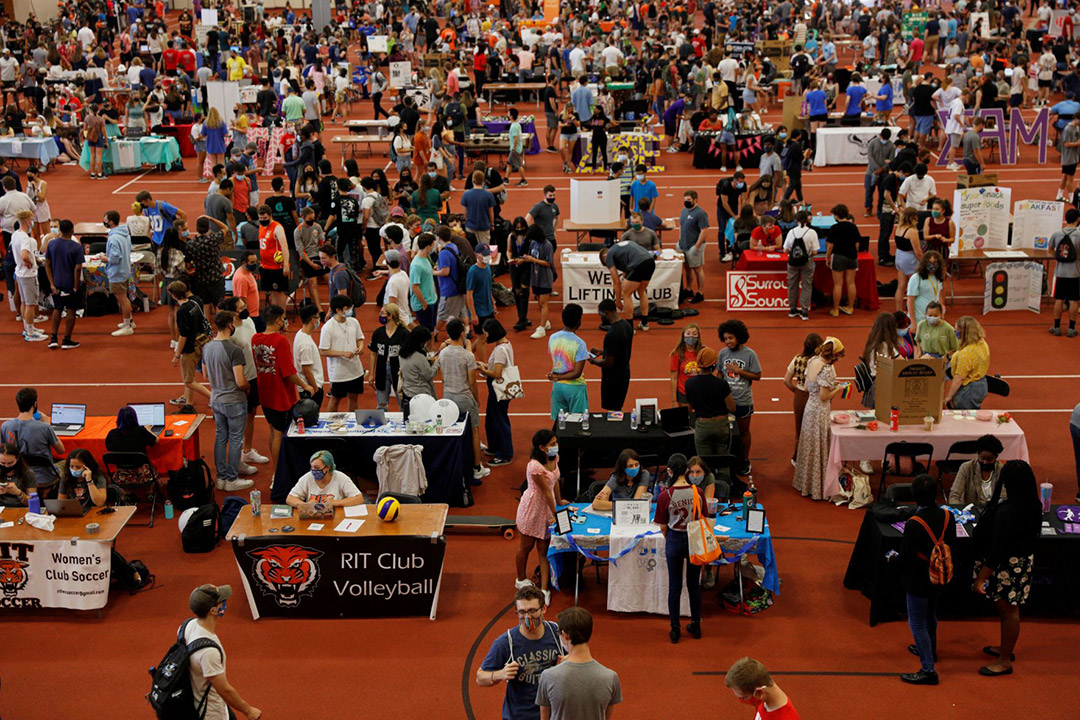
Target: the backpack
(202, 531)
(171, 695)
(230, 510)
(461, 272)
(941, 565)
(131, 575)
(455, 116)
(1065, 252)
(357, 291)
(798, 255)
(393, 157)
(380, 211)
(93, 134)
(191, 486)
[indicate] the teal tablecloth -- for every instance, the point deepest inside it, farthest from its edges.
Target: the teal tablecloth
(149, 151)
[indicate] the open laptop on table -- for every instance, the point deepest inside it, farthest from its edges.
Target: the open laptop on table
(65, 508)
(371, 418)
(67, 419)
(151, 415)
(675, 422)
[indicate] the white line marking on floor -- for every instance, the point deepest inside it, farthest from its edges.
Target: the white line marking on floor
(129, 182)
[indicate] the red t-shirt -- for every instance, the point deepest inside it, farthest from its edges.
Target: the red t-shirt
(784, 712)
(916, 49)
(770, 237)
(273, 363)
(270, 246)
(685, 365)
(170, 58)
(241, 197)
(186, 60)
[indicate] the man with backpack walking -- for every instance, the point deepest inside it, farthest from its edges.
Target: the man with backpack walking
(1066, 273)
(450, 273)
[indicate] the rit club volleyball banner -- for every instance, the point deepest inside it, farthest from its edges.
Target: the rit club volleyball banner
(313, 576)
(54, 574)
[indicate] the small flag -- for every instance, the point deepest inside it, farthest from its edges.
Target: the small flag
(846, 392)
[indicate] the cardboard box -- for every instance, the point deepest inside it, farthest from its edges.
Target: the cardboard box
(914, 386)
(984, 180)
(790, 114)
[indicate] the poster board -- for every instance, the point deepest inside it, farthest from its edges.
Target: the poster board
(594, 202)
(208, 16)
(981, 216)
(914, 22)
(1013, 286)
(1057, 23)
(377, 44)
(1034, 221)
(223, 95)
(913, 386)
(249, 93)
(400, 74)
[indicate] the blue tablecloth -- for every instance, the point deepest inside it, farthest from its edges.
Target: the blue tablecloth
(43, 150)
(495, 126)
(597, 541)
(149, 151)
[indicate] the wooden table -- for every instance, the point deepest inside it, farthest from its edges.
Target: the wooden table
(582, 230)
(93, 229)
(492, 144)
(351, 141)
(493, 87)
(977, 257)
(66, 568)
(383, 569)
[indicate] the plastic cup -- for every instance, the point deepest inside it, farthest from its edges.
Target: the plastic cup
(928, 423)
(1045, 490)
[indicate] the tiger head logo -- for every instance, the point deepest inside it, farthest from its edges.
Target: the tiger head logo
(13, 576)
(286, 572)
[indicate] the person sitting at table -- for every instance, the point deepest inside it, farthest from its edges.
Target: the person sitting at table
(969, 366)
(640, 234)
(628, 480)
(129, 435)
(766, 237)
(81, 478)
(977, 478)
(703, 478)
(324, 484)
(16, 477)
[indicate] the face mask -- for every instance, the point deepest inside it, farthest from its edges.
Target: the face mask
(309, 221)
(383, 319)
(549, 201)
(632, 472)
(244, 314)
(264, 223)
(553, 451)
(690, 340)
(932, 267)
(635, 226)
(936, 213)
(641, 178)
(222, 608)
(318, 474)
(77, 473)
(695, 478)
(782, 135)
(688, 203)
(740, 186)
(252, 267)
(987, 466)
(433, 175)
(903, 332)
(933, 320)
(350, 312)
(531, 623)
(185, 234)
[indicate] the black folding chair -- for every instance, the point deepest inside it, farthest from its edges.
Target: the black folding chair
(403, 498)
(651, 463)
(910, 451)
(966, 449)
(133, 471)
(900, 492)
(47, 490)
(996, 386)
(591, 492)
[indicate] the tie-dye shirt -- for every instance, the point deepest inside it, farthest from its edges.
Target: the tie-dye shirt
(566, 350)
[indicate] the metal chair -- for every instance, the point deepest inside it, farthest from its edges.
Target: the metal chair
(996, 386)
(126, 469)
(904, 449)
(403, 498)
(591, 492)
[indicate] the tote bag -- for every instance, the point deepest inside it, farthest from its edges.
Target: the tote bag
(509, 386)
(703, 545)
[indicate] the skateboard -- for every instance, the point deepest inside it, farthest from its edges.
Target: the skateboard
(503, 525)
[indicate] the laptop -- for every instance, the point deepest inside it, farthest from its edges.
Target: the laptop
(371, 418)
(152, 415)
(675, 422)
(65, 508)
(67, 419)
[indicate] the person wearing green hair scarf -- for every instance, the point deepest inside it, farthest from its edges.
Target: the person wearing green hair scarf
(324, 484)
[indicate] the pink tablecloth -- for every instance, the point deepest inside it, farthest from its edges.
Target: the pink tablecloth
(847, 444)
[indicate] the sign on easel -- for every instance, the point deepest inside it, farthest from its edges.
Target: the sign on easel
(981, 216)
(1013, 286)
(400, 74)
(1034, 221)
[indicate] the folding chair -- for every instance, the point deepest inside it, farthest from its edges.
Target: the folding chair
(910, 451)
(996, 386)
(900, 492)
(730, 462)
(967, 449)
(403, 498)
(133, 471)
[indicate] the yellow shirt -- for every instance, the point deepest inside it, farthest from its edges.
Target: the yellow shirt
(241, 124)
(972, 362)
(236, 67)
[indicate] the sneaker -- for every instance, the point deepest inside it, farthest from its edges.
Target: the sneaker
(125, 330)
(41, 318)
(866, 467)
(123, 323)
(482, 473)
(847, 309)
(246, 469)
(54, 343)
(518, 584)
(698, 298)
(727, 257)
(235, 485)
(552, 149)
(547, 325)
(738, 168)
(520, 326)
(523, 183)
(181, 401)
(834, 313)
(723, 168)
(793, 313)
(219, 484)
(1055, 331)
(538, 333)
(35, 337)
(253, 456)
(1071, 332)
(497, 462)
(644, 327)
(673, 149)
(804, 316)
(69, 345)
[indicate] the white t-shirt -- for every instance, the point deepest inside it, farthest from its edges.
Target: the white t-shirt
(340, 487)
(397, 291)
(205, 664)
(306, 352)
(342, 336)
(955, 124)
(368, 203)
(241, 337)
(918, 191)
(20, 241)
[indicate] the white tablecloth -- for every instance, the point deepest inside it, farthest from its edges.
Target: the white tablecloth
(845, 145)
(639, 581)
(587, 282)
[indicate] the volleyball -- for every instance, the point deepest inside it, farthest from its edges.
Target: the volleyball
(388, 509)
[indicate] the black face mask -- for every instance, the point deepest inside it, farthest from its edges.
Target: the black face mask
(987, 466)
(244, 314)
(264, 223)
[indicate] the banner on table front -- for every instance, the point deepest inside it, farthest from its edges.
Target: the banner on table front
(318, 576)
(757, 290)
(54, 574)
(1013, 286)
(981, 216)
(588, 284)
(1034, 221)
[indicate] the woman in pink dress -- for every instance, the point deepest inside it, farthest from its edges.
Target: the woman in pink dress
(536, 510)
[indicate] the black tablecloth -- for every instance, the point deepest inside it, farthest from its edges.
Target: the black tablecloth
(1055, 585)
(707, 153)
(448, 461)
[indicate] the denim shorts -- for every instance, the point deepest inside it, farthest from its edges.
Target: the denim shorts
(924, 124)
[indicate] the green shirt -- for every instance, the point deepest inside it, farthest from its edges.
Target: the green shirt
(293, 107)
(936, 339)
(420, 273)
(516, 144)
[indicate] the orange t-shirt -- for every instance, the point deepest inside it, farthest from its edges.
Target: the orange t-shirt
(270, 250)
(244, 286)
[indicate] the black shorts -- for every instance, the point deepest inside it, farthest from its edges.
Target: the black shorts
(538, 291)
(278, 419)
(643, 272)
(820, 118)
(1069, 170)
(9, 85)
(1067, 289)
(252, 396)
(1045, 83)
(309, 271)
(211, 294)
(478, 328)
(348, 387)
(273, 280)
(73, 301)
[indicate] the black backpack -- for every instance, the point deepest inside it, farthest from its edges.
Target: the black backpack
(191, 486)
(357, 291)
(230, 510)
(798, 255)
(131, 575)
(171, 694)
(461, 272)
(203, 529)
(1066, 249)
(800, 64)
(455, 116)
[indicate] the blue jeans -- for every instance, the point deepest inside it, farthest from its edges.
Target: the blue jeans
(229, 421)
(677, 551)
(922, 618)
(1075, 432)
(870, 182)
(500, 439)
(970, 396)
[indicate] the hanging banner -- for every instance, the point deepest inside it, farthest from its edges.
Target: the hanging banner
(1013, 286)
(551, 11)
(981, 216)
(981, 22)
(1057, 23)
(765, 290)
(208, 16)
(55, 574)
(1034, 221)
(377, 44)
(587, 282)
(400, 74)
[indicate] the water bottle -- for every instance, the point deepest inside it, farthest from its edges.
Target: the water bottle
(299, 426)
(585, 421)
(633, 420)
(747, 501)
(33, 502)
(256, 502)
(562, 419)
(168, 510)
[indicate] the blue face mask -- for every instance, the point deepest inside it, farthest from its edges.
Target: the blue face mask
(433, 175)
(77, 473)
(349, 312)
(318, 474)
(553, 451)
(903, 332)
(740, 186)
(632, 472)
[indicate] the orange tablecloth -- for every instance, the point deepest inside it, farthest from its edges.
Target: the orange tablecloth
(167, 454)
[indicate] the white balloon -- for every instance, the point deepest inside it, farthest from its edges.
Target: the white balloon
(420, 406)
(444, 412)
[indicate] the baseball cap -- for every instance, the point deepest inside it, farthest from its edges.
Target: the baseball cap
(397, 211)
(483, 249)
(706, 357)
(392, 255)
(207, 596)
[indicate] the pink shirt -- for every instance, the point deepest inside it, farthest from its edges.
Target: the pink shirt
(244, 286)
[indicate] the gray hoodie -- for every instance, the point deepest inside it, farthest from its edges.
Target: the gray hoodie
(118, 255)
